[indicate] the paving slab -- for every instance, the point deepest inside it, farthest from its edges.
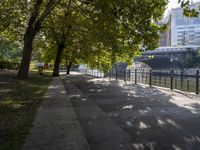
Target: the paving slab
(56, 126)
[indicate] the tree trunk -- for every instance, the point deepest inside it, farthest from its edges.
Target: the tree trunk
(69, 67)
(58, 60)
(26, 56)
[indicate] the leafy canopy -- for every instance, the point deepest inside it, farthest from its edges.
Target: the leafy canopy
(101, 31)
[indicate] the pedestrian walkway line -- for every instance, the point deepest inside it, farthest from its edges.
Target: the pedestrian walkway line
(56, 126)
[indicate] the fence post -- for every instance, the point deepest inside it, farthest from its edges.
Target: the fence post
(135, 76)
(160, 76)
(124, 75)
(146, 78)
(172, 78)
(197, 82)
(181, 79)
(175, 82)
(188, 84)
(150, 77)
(142, 76)
(116, 76)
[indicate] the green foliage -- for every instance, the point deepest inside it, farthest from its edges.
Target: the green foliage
(193, 62)
(190, 62)
(198, 53)
(187, 11)
(11, 65)
(105, 30)
(9, 50)
(121, 28)
(13, 18)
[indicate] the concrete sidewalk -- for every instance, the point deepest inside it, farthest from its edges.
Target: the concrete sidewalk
(123, 117)
(56, 126)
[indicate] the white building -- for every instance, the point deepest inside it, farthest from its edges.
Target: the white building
(185, 31)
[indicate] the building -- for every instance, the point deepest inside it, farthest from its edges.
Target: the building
(165, 37)
(183, 31)
(168, 57)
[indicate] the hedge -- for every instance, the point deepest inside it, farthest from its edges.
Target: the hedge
(10, 65)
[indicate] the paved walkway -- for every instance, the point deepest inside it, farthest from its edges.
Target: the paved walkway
(135, 117)
(95, 114)
(56, 126)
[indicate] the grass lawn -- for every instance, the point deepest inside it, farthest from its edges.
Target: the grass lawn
(19, 101)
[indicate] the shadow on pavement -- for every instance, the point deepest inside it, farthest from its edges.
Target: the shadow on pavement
(154, 119)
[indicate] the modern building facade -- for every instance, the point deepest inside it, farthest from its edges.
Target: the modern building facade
(183, 31)
(179, 45)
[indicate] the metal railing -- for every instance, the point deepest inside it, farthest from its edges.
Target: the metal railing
(92, 72)
(169, 79)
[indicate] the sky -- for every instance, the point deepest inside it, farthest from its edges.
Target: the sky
(174, 4)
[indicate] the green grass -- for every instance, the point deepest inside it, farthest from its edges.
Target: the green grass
(19, 101)
(46, 72)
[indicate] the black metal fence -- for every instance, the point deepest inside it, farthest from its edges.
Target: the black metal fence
(170, 79)
(92, 72)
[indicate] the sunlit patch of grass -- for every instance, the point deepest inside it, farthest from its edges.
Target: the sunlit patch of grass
(46, 72)
(19, 101)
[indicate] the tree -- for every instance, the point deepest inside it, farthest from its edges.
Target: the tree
(37, 11)
(9, 50)
(57, 29)
(131, 28)
(187, 11)
(95, 34)
(12, 13)
(113, 24)
(38, 14)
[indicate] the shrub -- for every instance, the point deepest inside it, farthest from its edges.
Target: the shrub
(9, 65)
